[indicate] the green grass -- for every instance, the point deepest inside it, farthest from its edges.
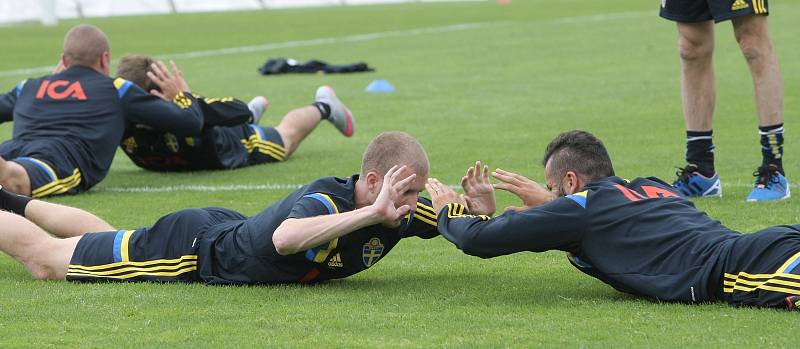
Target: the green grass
(498, 94)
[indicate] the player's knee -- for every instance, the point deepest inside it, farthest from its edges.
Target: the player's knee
(690, 50)
(750, 45)
(41, 272)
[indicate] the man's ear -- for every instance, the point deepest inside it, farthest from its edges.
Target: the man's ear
(373, 180)
(574, 183)
(64, 61)
(105, 62)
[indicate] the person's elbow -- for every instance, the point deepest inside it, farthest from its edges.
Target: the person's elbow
(474, 247)
(282, 241)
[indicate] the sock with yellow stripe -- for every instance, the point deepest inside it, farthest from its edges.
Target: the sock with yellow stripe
(772, 146)
(13, 202)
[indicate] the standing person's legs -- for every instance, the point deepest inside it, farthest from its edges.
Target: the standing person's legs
(696, 49)
(754, 40)
(698, 92)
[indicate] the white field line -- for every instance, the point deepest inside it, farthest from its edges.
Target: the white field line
(346, 39)
(271, 186)
(206, 188)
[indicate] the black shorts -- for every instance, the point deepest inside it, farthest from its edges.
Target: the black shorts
(247, 145)
(167, 251)
(763, 269)
(50, 169)
(706, 10)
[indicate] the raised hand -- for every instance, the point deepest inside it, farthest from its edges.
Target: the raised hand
(478, 192)
(170, 83)
(391, 191)
(531, 193)
(441, 195)
(59, 67)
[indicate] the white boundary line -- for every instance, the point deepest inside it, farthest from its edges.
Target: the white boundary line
(287, 44)
(206, 188)
(347, 39)
(270, 186)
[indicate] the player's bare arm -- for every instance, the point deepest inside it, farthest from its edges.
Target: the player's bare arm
(299, 234)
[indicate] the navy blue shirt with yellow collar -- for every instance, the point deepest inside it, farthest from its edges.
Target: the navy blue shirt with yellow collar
(221, 246)
(247, 255)
(67, 126)
(642, 238)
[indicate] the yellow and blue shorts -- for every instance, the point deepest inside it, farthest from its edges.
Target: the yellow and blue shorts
(165, 252)
(763, 269)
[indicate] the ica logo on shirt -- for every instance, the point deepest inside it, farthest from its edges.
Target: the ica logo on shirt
(61, 89)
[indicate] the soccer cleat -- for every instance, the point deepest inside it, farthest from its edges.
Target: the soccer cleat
(691, 183)
(258, 106)
(340, 116)
(770, 185)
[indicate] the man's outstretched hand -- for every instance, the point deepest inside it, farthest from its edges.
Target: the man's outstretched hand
(531, 193)
(478, 192)
(441, 195)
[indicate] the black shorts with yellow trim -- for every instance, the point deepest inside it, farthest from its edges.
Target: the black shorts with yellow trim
(706, 10)
(165, 252)
(50, 169)
(246, 145)
(763, 269)
(263, 144)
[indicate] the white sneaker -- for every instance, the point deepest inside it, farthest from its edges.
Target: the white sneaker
(258, 106)
(340, 115)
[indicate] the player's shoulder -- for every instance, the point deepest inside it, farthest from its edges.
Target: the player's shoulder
(122, 86)
(336, 189)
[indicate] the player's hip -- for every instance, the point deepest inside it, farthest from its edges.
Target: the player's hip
(763, 268)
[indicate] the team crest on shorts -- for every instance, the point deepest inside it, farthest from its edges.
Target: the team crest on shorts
(171, 141)
(130, 144)
(372, 252)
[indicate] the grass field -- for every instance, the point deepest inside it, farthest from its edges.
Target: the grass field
(496, 90)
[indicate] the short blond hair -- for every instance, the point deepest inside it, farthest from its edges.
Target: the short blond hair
(394, 148)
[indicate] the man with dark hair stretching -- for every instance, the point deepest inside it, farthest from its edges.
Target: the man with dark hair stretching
(329, 229)
(696, 21)
(67, 125)
(231, 136)
(638, 236)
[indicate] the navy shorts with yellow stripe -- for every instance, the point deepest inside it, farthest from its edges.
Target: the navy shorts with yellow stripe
(763, 269)
(248, 145)
(165, 252)
(706, 10)
(50, 170)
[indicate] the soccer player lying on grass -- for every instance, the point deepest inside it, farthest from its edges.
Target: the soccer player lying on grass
(67, 125)
(230, 137)
(331, 228)
(638, 236)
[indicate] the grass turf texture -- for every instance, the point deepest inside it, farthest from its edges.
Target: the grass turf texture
(498, 94)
